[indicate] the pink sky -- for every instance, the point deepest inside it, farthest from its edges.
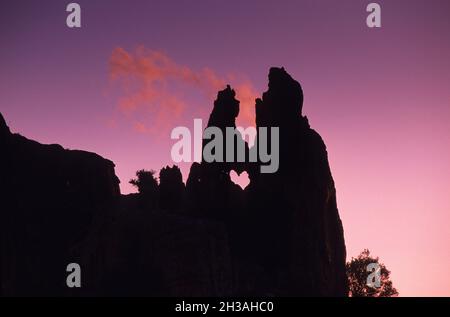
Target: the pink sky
(379, 98)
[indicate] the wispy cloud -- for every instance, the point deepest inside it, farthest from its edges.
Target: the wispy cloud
(150, 80)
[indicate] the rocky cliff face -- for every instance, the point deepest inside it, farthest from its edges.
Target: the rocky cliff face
(298, 220)
(285, 225)
(280, 236)
(49, 198)
(61, 206)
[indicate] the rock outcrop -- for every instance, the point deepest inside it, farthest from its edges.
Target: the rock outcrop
(299, 230)
(49, 198)
(281, 236)
(285, 224)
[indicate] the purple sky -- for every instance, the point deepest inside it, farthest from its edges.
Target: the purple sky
(380, 98)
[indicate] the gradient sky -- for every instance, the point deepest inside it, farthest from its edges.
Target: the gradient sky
(380, 98)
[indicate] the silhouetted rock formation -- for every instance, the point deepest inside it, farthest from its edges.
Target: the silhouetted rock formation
(282, 235)
(49, 198)
(154, 253)
(286, 223)
(209, 187)
(171, 188)
(299, 232)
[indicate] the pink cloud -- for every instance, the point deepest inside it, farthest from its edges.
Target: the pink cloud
(150, 81)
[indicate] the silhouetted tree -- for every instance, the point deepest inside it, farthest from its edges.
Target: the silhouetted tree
(147, 186)
(358, 275)
(171, 187)
(145, 182)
